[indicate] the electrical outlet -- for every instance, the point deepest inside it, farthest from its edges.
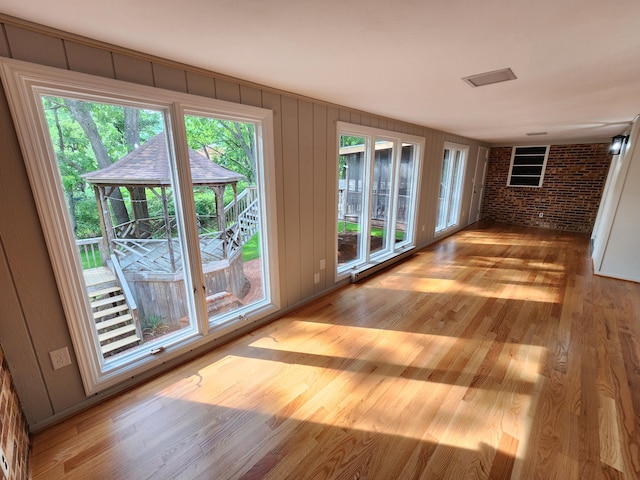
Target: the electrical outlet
(4, 464)
(323, 264)
(60, 358)
(316, 278)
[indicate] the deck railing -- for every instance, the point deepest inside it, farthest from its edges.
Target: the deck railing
(90, 252)
(244, 201)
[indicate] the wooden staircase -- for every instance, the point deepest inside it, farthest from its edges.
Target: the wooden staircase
(248, 220)
(223, 301)
(114, 322)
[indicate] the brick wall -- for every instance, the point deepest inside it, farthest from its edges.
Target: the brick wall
(14, 435)
(570, 194)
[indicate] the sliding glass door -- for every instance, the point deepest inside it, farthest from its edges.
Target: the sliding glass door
(376, 202)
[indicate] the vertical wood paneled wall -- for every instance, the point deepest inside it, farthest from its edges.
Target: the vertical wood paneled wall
(306, 172)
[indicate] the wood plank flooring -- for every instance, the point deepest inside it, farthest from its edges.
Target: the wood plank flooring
(494, 353)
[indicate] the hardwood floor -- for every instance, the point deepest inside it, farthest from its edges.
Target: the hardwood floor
(494, 353)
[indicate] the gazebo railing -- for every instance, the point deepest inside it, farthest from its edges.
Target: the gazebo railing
(154, 255)
(156, 227)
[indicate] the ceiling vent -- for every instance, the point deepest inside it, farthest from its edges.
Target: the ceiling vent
(497, 76)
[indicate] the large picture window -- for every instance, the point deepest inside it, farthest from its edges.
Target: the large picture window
(153, 205)
(451, 182)
(377, 195)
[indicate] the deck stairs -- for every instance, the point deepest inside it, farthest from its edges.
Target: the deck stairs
(249, 220)
(248, 214)
(115, 321)
(221, 302)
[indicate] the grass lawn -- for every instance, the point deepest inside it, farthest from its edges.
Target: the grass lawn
(88, 261)
(375, 232)
(251, 249)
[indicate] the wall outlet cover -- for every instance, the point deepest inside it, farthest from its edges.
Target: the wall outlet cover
(60, 358)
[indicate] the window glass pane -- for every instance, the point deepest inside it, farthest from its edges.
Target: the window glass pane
(525, 181)
(226, 196)
(456, 189)
(115, 171)
(381, 195)
(540, 150)
(444, 195)
(527, 170)
(450, 199)
(351, 197)
(528, 160)
(404, 203)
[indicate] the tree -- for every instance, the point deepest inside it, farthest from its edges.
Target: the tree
(231, 144)
(90, 135)
(81, 112)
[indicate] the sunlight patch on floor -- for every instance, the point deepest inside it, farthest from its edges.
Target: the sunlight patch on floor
(506, 290)
(277, 391)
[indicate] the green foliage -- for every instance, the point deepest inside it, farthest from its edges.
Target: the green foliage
(154, 325)
(87, 218)
(230, 144)
(347, 141)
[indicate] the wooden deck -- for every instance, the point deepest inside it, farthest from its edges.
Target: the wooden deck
(141, 255)
(97, 276)
(492, 354)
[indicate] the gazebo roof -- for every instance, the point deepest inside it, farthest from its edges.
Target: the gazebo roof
(149, 166)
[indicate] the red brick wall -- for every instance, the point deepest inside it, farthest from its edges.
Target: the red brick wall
(14, 434)
(569, 196)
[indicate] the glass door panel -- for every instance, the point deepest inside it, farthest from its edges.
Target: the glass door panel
(456, 190)
(227, 196)
(352, 199)
(114, 166)
(381, 196)
(451, 182)
(444, 195)
(406, 193)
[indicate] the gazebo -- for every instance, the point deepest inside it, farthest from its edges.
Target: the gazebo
(145, 248)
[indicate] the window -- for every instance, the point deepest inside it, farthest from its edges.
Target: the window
(527, 166)
(451, 181)
(153, 205)
(377, 195)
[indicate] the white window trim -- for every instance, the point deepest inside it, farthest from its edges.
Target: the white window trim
(345, 128)
(23, 83)
(544, 166)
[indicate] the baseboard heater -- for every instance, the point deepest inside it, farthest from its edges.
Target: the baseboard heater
(368, 270)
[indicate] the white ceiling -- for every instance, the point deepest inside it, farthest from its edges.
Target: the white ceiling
(577, 61)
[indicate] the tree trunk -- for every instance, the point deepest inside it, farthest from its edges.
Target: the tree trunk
(138, 194)
(81, 113)
(247, 147)
(71, 202)
(131, 128)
